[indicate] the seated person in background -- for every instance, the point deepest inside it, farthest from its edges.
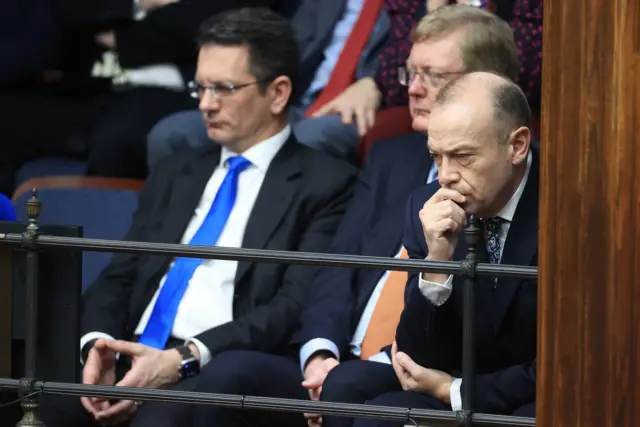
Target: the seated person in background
(256, 187)
(336, 127)
(479, 136)
(525, 19)
(352, 314)
(120, 67)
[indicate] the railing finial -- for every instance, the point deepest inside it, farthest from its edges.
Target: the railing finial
(33, 210)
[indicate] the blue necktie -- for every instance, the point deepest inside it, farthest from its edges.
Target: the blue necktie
(160, 324)
(492, 229)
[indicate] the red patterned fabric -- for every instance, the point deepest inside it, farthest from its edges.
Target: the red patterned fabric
(527, 31)
(404, 15)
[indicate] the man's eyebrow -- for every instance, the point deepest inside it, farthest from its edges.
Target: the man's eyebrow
(455, 149)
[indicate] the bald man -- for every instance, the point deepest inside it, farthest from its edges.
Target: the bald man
(480, 140)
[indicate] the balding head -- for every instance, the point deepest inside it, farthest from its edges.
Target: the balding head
(487, 93)
(479, 135)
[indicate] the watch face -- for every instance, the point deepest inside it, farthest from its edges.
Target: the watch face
(190, 368)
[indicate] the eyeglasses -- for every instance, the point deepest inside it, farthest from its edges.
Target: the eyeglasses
(218, 90)
(428, 78)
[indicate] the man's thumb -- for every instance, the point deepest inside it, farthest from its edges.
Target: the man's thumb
(312, 382)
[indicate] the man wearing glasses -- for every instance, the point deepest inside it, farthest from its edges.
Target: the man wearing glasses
(155, 322)
(341, 347)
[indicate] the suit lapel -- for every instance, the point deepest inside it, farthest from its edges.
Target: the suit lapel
(276, 194)
(521, 246)
(186, 193)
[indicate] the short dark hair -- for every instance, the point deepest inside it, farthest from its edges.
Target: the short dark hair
(510, 109)
(510, 106)
(269, 37)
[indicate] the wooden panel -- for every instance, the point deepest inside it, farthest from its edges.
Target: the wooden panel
(589, 287)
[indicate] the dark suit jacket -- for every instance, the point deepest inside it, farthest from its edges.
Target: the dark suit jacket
(506, 317)
(299, 207)
(372, 226)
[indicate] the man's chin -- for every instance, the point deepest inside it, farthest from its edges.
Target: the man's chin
(420, 122)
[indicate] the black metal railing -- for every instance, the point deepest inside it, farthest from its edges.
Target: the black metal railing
(29, 388)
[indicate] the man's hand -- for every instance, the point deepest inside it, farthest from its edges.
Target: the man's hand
(414, 377)
(442, 221)
(150, 368)
(315, 372)
(99, 369)
(360, 100)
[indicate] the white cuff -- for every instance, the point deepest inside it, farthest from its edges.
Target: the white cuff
(381, 357)
(205, 354)
(454, 395)
(94, 336)
(436, 293)
(315, 345)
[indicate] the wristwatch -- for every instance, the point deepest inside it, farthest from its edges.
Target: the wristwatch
(190, 365)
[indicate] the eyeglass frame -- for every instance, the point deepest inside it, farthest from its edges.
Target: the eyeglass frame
(231, 88)
(427, 78)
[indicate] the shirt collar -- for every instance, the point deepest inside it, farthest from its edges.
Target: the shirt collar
(261, 154)
(509, 209)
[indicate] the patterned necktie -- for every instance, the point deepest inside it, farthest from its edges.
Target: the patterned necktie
(160, 324)
(492, 228)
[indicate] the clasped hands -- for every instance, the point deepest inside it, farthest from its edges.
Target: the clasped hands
(150, 368)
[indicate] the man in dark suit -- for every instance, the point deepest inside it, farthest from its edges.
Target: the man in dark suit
(480, 134)
(153, 322)
(323, 29)
(335, 324)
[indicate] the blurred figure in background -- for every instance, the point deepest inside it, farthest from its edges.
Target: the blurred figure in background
(124, 67)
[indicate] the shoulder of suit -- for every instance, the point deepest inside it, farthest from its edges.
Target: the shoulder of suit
(390, 149)
(318, 163)
(183, 157)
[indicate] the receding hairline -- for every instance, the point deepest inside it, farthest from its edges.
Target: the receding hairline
(510, 109)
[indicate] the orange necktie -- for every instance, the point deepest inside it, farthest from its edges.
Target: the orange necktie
(344, 72)
(386, 315)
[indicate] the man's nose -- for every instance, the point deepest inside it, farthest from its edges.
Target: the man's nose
(208, 102)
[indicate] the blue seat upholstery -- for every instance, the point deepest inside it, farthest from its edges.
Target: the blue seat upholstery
(103, 214)
(7, 213)
(49, 166)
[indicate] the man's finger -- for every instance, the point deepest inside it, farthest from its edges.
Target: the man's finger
(447, 194)
(131, 379)
(312, 382)
(89, 406)
(361, 121)
(407, 363)
(324, 110)
(119, 412)
(346, 115)
(132, 349)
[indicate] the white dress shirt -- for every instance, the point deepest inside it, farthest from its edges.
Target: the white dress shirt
(323, 344)
(208, 300)
(438, 293)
